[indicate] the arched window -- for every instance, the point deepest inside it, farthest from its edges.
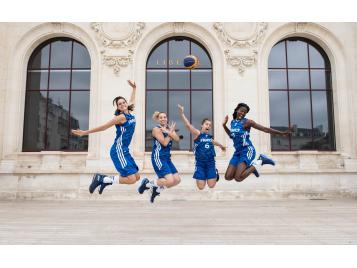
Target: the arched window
(300, 95)
(168, 83)
(57, 96)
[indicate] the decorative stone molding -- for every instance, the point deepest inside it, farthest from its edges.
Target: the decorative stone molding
(178, 27)
(300, 27)
(117, 61)
(241, 62)
(118, 35)
(57, 26)
(239, 38)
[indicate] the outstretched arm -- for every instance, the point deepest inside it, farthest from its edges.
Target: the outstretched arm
(255, 125)
(195, 132)
(116, 120)
(132, 97)
(226, 129)
(223, 148)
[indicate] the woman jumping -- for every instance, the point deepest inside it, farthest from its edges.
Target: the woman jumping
(124, 163)
(205, 166)
(163, 135)
(242, 163)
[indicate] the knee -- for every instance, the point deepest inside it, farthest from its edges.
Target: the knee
(177, 180)
(200, 187)
(239, 179)
(211, 185)
(137, 176)
(227, 177)
(132, 180)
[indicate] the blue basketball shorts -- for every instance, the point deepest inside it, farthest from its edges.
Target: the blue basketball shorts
(163, 166)
(123, 161)
(205, 170)
(245, 155)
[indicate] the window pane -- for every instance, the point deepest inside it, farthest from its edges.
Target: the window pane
(40, 58)
(81, 57)
(277, 56)
(318, 79)
(300, 118)
(182, 98)
(316, 59)
(79, 119)
(179, 79)
(322, 115)
(156, 79)
(80, 79)
(297, 54)
(155, 101)
(299, 79)
(201, 79)
(37, 80)
(201, 108)
(58, 121)
(178, 50)
(61, 54)
(158, 59)
(278, 105)
(35, 121)
(59, 79)
(277, 79)
(201, 54)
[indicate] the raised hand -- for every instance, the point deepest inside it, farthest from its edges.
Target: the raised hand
(132, 83)
(181, 108)
(172, 127)
(78, 132)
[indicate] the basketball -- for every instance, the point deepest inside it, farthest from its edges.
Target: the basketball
(191, 62)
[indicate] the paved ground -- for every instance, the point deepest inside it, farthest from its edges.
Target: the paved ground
(179, 222)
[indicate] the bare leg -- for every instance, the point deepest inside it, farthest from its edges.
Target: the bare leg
(131, 179)
(211, 182)
(168, 181)
(230, 173)
(243, 172)
(177, 179)
(201, 184)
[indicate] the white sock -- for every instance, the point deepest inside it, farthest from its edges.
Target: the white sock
(257, 164)
(160, 188)
(153, 183)
(111, 179)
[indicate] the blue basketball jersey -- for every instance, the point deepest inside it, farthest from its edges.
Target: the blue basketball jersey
(125, 132)
(158, 150)
(204, 148)
(239, 135)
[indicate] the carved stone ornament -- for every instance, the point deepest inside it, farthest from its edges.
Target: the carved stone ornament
(241, 62)
(178, 27)
(117, 61)
(118, 35)
(240, 34)
(300, 27)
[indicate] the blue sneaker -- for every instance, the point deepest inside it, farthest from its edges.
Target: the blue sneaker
(96, 181)
(102, 186)
(217, 175)
(142, 188)
(256, 173)
(154, 193)
(266, 160)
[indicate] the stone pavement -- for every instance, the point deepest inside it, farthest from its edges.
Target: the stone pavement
(179, 222)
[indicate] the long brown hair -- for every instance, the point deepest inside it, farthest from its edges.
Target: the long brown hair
(115, 101)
